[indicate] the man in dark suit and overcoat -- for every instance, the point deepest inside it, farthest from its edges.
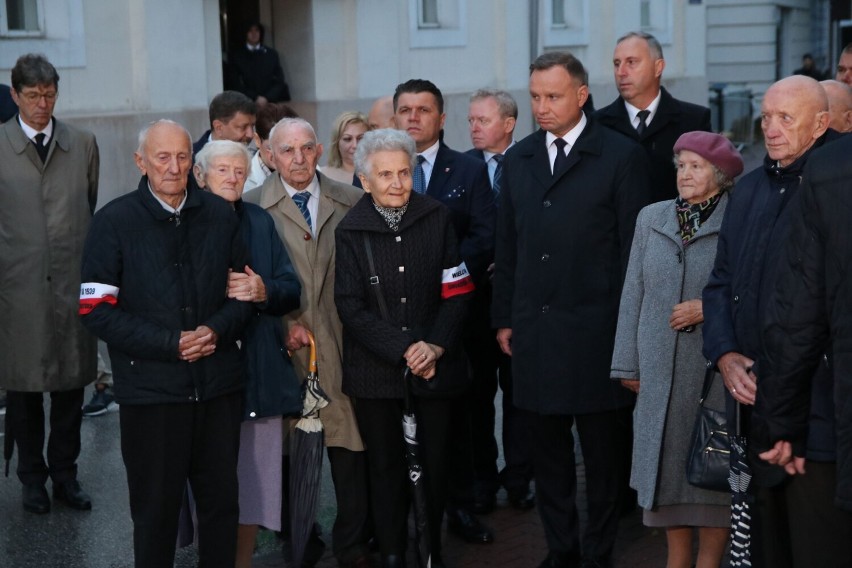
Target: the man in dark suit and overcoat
(569, 199)
(461, 183)
(646, 112)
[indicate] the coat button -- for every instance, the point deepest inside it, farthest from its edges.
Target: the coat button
(736, 299)
(545, 257)
(545, 308)
(252, 414)
(307, 236)
(546, 203)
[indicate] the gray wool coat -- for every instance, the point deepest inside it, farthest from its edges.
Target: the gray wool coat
(45, 210)
(669, 364)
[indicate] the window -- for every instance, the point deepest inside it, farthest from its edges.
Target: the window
(655, 17)
(438, 23)
(21, 18)
(566, 23)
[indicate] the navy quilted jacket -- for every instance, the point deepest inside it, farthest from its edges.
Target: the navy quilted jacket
(171, 272)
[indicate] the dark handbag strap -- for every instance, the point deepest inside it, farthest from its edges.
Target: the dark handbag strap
(709, 374)
(374, 278)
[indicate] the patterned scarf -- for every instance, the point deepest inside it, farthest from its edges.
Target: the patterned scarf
(691, 216)
(391, 215)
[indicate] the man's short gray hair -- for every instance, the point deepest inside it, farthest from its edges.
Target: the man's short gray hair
(382, 140)
(505, 102)
(219, 148)
(143, 134)
(653, 43)
(287, 122)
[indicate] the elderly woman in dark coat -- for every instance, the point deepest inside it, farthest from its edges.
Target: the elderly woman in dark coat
(272, 388)
(658, 346)
(425, 286)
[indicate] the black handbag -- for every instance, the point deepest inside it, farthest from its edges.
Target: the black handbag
(709, 461)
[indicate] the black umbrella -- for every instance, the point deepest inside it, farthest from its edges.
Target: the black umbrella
(740, 477)
(423, 542)
(306, 461)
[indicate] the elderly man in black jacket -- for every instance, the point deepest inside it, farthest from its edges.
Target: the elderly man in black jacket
(794, 120)
(570, 195)
(155, 275)
(809, 305)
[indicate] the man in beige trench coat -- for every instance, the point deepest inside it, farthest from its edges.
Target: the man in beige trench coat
(309, 239)
(48, 191)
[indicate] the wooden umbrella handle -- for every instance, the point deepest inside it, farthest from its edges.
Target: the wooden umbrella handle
(312, 361)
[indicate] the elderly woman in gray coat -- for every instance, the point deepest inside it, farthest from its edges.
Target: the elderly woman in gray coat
(658, 346)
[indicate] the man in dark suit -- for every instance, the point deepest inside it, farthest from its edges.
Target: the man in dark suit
(257, 70)
(569, 197)
(232, 117)
(646, 112)
(461, 183)
(491, 117)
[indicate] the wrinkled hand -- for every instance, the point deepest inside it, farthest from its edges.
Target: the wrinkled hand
(782, 454)
(297, 338)
(194, 345)
(504, 340)
(739, 379)
(631, 385)
(686, 314)
(421, 358)
(246, 286)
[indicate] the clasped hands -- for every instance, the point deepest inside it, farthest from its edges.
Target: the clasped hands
(421, 358)
(194, 345)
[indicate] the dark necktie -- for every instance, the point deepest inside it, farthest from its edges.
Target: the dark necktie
(498, 172)
(561, 161)
(643, 116)
(419, 176)
(41, 147)
(301, 201)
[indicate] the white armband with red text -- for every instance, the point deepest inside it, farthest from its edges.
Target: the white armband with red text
(455, 281)
(94, 293)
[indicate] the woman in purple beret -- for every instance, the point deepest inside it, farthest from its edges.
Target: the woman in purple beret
(658, 347)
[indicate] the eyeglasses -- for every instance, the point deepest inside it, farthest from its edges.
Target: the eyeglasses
(34, 97)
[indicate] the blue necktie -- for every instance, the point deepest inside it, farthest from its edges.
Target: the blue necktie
(301, 201)
(419, 176)
(498, 172)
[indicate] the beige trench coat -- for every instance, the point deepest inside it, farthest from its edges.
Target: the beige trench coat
(313, 259)
(45, 211)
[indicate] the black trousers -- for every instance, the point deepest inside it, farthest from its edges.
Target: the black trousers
(473, 445)
(797, 525)
(351, 530)
(25, 422)
(163, 445)
(602, 438)
(380, 423)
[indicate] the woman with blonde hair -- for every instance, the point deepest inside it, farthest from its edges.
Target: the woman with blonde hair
(349, 127)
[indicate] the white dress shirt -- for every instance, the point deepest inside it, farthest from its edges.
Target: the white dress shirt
(633, 112)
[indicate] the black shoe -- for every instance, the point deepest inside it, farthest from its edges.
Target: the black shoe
(522, 499)
(559, 560)
(595, 562)
(393, 561)
(483, 504)
(72, 494)
(467, 527)
(36, 499)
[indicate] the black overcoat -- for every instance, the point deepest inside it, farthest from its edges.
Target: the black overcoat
(562, 250)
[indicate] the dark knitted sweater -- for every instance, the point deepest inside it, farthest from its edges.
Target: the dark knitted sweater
(409, 264)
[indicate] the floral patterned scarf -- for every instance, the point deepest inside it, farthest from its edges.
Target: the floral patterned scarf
(391, 215)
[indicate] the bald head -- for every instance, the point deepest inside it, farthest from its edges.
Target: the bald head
(839, 105)
(793, 115)
(381, 114)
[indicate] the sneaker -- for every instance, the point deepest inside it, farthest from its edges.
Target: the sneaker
(101, 403)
